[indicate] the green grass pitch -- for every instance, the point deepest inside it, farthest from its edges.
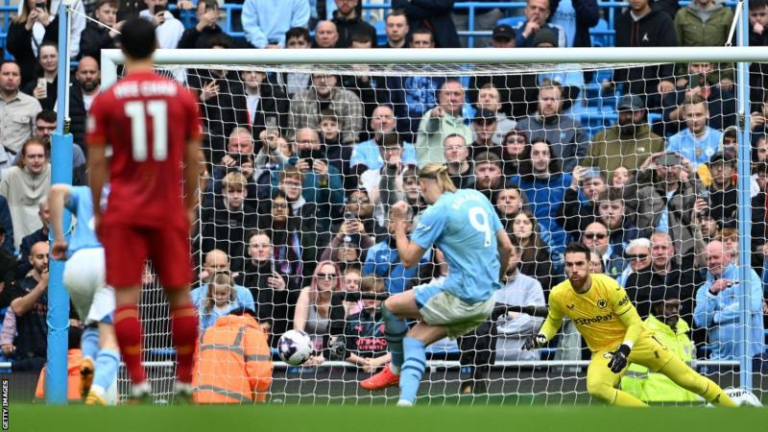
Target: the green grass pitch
(295, 418)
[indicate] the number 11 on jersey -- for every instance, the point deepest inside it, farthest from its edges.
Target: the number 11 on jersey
(158, 112)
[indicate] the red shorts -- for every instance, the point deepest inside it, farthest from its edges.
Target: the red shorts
(127, 248)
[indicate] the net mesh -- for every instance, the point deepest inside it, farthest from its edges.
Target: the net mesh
(304, 162)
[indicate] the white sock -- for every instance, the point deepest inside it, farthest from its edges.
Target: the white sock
(404, 403)
(98, 390)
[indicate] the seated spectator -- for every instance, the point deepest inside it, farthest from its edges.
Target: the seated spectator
(268, 105)
(378, 182)
(224, 225)
(698, 142)
(352, 280)
(489, 176)
(570, 77)
(168, 29)
(218, 299)
(306, 107)
(717, 308)
(441, 121)
(319, 312)
(235, 360)
(484, 129)
(199, 36)
(44, 86)
(27, 32)
(217, 261)
(433, 15)
(626, 144)
(265, 22)
(569, 144)
(514, 328)
(509, 202)
(535, 260)
(544, 184)
(684, 278)
(338, 155)
(359, 228)
(25, 185)
(638, 278)
(274, 155)
(673, 332)
(611, 211)
(620, 177)
(45, 126)
(396, 29)
(461, 167)
(348, 22)
(367, 154)
(364, 338)
(290, 187)
(581, 200)
(595, 236)
(29, 303)
(41, 235)
(20, 110)
(595, 263)
(274, 292)
(514, 143)
(238, 159)
(102, 34)
(489, 99)
(536, 16)
(326, 35)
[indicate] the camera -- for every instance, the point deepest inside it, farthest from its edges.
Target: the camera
(239, 158)
(40, 5)
(349, 216)
(160, 8)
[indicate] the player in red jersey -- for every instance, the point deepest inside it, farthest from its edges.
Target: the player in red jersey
(153, 128)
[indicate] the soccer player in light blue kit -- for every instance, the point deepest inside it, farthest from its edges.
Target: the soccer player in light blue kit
(93, 299)
(465, 227)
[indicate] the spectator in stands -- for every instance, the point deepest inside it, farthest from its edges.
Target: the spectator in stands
(85, 88)
(223, 106)
(367, 155)
(377, 182)
(758, 36)
(218, 299)
(611, 211)
(628, 143)
(319, 312)
(33, 26)
(698, 142)
(29, 302)
(503, 36)
(703, 23)
(485, 128)
(515, 327)
(268, 105)
(383, 261)
(275, 292)
(364, 338)
(44, 87)
(26, 184)
(723, 194)
(536, 16)
(225, 223)
(265, 22)
(371, 89)
(642, 26)
(238, 158)
(595, 236)
(441, 121)
(402, 187)
(199, 36)
(432, 14)
(514, 143)
(217, 261)
(326, 35)
(78, 20)
(568, 142)
(41, 235)
(168, 29)
(717, 307)
(359, 229)
(489, 174)
(509, 202)
(294, 82)
(323, 93)
(684, 277)
(544, 184)
(396, 29)
(620, 177)
(485, 20)
(575, 20)
(337, 154)
(17, 113)
(671, 331)
(489, 99)
(102, 34)
(721, 103)
(638, 278)
(581, 200)
(461, 168)
(659, 197)
(45, 126)
(536, 260)
(290, 184)
(348, 22)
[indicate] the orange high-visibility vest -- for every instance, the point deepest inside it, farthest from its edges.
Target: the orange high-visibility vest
(234, 363)
(74, 360)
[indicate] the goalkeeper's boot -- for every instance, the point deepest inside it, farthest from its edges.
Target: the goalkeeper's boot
(94, 399)
(86, 377)
(141, 394)
(182, 393)
(381, 380)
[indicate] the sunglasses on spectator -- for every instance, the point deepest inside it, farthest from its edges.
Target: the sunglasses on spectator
(593, 236)
(637, 257)
(326, 276)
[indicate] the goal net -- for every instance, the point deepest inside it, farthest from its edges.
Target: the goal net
(639, 161)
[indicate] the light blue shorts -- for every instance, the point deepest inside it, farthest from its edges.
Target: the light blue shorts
(442, 309)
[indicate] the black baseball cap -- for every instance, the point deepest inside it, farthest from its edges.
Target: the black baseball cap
(485, 116)
(722, 157)
(503, 31)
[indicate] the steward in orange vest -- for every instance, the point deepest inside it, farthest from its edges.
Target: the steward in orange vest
(234, 363)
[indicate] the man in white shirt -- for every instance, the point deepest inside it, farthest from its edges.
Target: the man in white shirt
(167, 28)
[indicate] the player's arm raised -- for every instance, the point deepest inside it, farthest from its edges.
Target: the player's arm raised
(56, 202)
(410, 252)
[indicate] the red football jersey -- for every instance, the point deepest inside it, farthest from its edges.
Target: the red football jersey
(147, 120)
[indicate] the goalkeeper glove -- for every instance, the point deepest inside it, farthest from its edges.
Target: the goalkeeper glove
(535, 342)
(619, 358)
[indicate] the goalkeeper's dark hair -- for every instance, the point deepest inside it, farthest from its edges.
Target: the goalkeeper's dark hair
(138, 40)
(438, 173)
(577, 247)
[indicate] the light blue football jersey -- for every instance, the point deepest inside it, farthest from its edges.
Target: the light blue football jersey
(80, 203)
(463, 225)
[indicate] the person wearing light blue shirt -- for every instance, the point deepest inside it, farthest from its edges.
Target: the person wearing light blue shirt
(463, 225)
(266, 21)
(698, 142)
(218, 261)
(368, 153)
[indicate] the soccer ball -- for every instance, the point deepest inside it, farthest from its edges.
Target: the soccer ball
(743, 397)
(295, 347)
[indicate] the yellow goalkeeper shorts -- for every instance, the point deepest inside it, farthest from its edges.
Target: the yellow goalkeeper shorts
(648, 352)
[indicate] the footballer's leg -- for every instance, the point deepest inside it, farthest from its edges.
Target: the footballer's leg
(602, 383)
(107, 364)
(415, 363)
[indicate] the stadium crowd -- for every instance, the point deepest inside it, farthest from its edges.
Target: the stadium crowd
(302, 168)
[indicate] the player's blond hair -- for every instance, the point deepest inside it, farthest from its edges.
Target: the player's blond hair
(438, 173)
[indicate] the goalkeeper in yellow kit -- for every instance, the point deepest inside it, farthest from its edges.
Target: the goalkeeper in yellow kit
(609, 322)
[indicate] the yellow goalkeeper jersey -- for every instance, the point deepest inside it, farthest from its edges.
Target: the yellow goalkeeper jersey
(599, 314)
